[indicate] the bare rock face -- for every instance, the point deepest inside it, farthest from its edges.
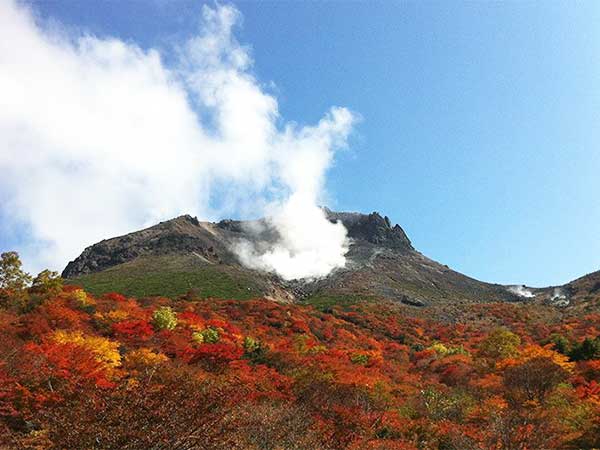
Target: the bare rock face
(372, 228)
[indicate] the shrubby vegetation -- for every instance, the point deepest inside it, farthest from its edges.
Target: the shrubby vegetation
(164, 318)
(80, 371)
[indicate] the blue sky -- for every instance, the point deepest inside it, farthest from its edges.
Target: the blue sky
(479, 130)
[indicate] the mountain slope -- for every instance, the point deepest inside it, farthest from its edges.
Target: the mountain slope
(184, 254)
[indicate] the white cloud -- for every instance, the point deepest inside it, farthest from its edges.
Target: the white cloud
(98, 138)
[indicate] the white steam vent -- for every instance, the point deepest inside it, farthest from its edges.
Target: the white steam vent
(521, 290)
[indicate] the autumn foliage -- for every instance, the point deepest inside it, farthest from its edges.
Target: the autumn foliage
(80, 372)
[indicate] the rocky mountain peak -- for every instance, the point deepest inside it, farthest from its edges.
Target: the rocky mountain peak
(186, 218)
(212, 241)
(373, 228)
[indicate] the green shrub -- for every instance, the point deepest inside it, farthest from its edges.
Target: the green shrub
(206, 336)
(254, 350)
(250, 344)
(360, 359)
(438, 405)
(198, 337)
(164, 318)
(444, 350)
(585, 350)
(560, 343)
(211, 336)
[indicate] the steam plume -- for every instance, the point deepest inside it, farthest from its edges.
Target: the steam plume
(521, 291)
(99, 137)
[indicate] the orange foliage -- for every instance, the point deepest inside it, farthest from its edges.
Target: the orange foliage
(366, 376)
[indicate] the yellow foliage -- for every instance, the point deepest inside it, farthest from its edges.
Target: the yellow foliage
(439, 348)
(107, 319)
(537, 351)
(117, 315)
(81, 297)
(534, 351)
(443, 350)
(131, 384)
(198, 337)
(144, 357)
(105, 350)
(317, 349)
(500, 343)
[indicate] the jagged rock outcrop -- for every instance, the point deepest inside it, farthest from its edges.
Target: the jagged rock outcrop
(372, 228)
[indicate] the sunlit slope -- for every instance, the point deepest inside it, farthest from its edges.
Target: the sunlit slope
(172, 276)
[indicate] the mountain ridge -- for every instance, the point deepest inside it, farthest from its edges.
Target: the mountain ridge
(381, 263)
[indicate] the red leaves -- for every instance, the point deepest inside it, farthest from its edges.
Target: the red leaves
(215, 356)
(70, 364)
(133, 330)
(366, 376)
(589, 391)
(192, 319)
(114, 297)
(51, 316)
(7, 395)
(590, 369)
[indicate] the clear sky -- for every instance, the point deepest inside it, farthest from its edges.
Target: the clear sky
(479, 129)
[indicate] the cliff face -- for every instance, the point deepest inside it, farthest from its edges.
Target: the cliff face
(373, 228)
(381, 262)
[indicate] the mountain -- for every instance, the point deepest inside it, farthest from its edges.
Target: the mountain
(184, 254)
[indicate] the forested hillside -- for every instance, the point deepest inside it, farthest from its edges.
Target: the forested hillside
(111, 372)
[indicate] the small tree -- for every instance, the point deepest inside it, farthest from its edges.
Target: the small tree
(533, 380)
(560, 343)
(12, 277)
(47, 282)
(500, 343)
(164, 318)
(585, 350)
